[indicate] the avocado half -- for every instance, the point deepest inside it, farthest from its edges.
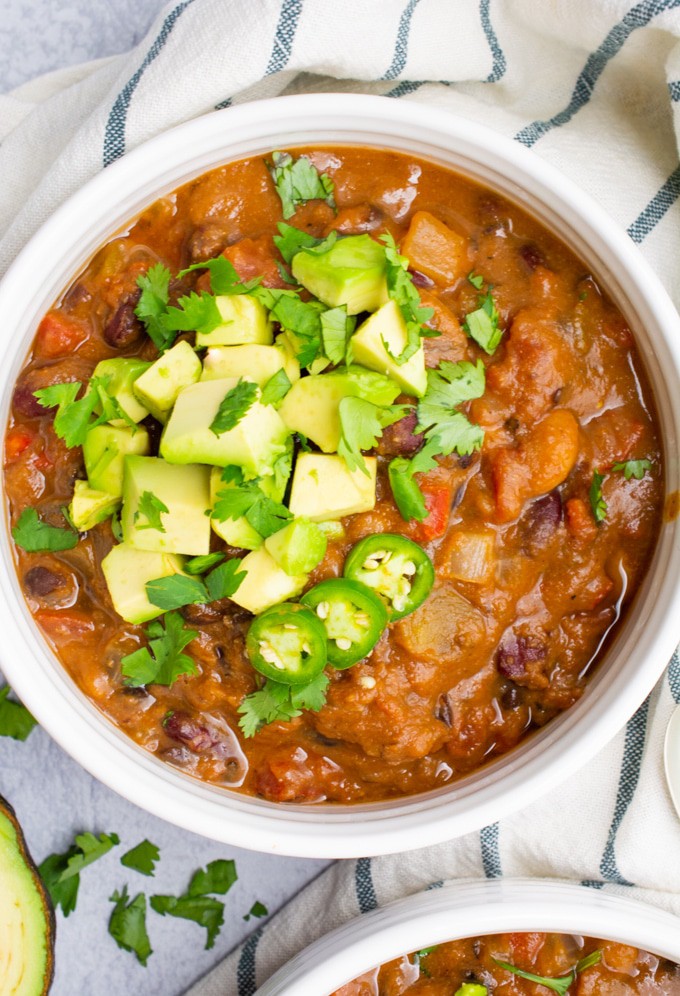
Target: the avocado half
(27, 927)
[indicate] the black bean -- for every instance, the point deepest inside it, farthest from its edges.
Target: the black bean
(40, 581)
(511, 696)
(531, 256)
(124, 329)
(400, 438)
(134, 691)
(155, 430)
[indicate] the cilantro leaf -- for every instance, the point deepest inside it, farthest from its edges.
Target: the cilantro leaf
(127, 924)
(204, 910)
(35, 536)
(257, 910)
(482, 324)
(633, 468)
(276, 388)
(447, 430)
(72, 419)
(64, 894)
(217, 877)
(162, 662)
(88, 849)
(403, 292)
(225, 580)
(151, 508)
(267, 516)
(142, 858)
(291, 240)
(406, 492)
(361, 425)
(223, 276)
(557, 985)
(234, 406)
(175, 591)
(196, 313)
(476, 279)
(153, 303)
(264, 514)
(199, 565)
(15, 719)
(301, 319)
(597, 502)
(336, 328)
(298, 181)
(275, 701)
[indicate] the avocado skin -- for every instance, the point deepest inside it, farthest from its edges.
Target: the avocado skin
(7, 814)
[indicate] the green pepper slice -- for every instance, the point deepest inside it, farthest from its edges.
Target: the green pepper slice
(354, 619)
(287, 643)
(393, 567)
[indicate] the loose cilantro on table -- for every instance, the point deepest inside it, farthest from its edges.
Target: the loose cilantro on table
(361, 426)
(559, 985)
(151, 508)
(633, 468)
(162, 662)
(61, 872)
(482, 324)
(403, 292)
(257, 910)
(298, 181)
(216, 878)
(275, 701)
(142, 858)
(15, 719)
(153, 304)
(89, 849)
(597, 502)
(336, 328)
(276, 388)
(246, 498)
(35, 536)
(127, 924)
(234, 406)
(197, 904)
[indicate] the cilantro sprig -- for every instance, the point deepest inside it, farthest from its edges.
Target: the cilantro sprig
(597, 502)
(235, 405)
(301, 319)
(142, 858)
(127, 924)
(198, 902)
(276, 388)
(482, 324)
(153, 304)
(35, 536)
(73, 418)
(162, 662)
(559, 985)
(276, 701)
(151, 508)
(403, 292)
(336, 330)
(177, 590)
(224, 280)
(633, 468)
(15, 719)
(61, 872)
(298, 181)
(246, 498)
(361, 426)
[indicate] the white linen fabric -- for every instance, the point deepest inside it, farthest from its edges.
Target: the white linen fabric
(591, 85)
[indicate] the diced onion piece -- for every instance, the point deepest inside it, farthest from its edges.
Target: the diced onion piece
(444, 625)
(470, 557)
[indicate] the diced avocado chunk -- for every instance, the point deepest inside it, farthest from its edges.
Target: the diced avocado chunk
(312, 404)
(245, 319)
(88, 507)
(297, 548)
(258, 363)
(254, 443)
(265, 583)
(368, 349)
(104, 451)
(235, 532)
(151, 484)
(158, 387)
(120, 374)
(324, 488)
(127, 572)
(352, 273)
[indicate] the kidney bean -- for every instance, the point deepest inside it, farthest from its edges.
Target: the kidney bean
(514, 653)
(40, 581)
(25, 403)
(531, 256)
(420, 279)
(541, 520)
(401, 439)
(443, 711)
(124, 329)
(206, 242)
(197, 737)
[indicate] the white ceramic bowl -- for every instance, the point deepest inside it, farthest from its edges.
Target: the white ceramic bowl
(643, 644)
(466, 910)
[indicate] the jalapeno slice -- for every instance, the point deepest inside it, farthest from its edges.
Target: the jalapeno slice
(393, 567)
(287, 643)
(354, 619)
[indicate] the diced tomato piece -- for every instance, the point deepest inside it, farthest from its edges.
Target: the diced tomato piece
(58, 336)
(525, 946)
(65, 626)
(16, 441)
(580, 521)
(438, 496)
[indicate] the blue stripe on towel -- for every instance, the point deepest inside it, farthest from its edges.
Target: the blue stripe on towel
(245, 972)
(285, 36)
(363, 883)
(637, 17)
(674, 89)
(491, 855)
(401, 46)
(114, 134)
(674, 676)
(406, 86)
(661, 202)
(633, 750)
(499, 63)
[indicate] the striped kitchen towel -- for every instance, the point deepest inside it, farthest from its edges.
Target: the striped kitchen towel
(591, 85)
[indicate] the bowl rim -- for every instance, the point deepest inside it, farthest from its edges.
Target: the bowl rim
(97, 211)
(466, 909)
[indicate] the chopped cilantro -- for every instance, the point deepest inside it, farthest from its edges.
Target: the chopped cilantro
(196, 313)
(447, 430)
(72, 420)
(224, 581)
(142, 858)
(223, 276)
(298, 181)
(234, 406)
(35, 536)
(559, 985)
(197, 904)
(151, 508)
(482, 324)
(302, 319)
(275, 701)
(127, 924)
(162, 662)
(116, 527)
(175, 591)
(89, 849)
(61, 872)
(291, 240)
(407, 494)
(264, 514)
(633, 468)
(216, 878)
(361, 426)
(403, 292)
(153, 303)
(276, 388)
(597, 502)
(476, 279)
(15, 719)
(257, 910)
(336, 328)
(199, 565)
